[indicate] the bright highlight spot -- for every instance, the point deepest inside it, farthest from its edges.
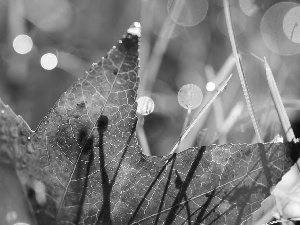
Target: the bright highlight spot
(190, 96)
(135, 29)
(49, 61)
(210, 86)
(278, 139)
(145, 106)
(22, 44)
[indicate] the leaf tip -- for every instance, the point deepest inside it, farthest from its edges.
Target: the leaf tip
(135, 29)
(131, 39)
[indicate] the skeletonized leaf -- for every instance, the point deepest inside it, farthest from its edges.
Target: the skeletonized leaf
(86, 143)
(14, 143)
(87, 156)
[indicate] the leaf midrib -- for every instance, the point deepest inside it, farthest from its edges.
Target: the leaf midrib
(89, 135)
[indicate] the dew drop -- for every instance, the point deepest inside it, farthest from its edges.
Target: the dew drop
(190, 96)
(145, 105)
(135, 29)
(278, 139)
(2, 111)
(120, 41)
(94, 65)
(210, 86)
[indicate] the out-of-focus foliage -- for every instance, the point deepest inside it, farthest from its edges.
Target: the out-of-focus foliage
(80, 32)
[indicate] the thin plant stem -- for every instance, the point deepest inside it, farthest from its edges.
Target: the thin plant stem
(240, 70)
(226, 69)
(284, 120)
(186, 120)
(203, 110)
(149, 73)
(185, 124)
(147, 22)
(147, 11)
(230, 121)
(143, 139)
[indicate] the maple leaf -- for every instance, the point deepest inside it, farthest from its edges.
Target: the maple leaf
(86, 154)
(14, 133)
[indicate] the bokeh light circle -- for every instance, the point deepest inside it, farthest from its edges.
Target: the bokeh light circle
(49, 61)
(22, 44)
(145, 106)
(210, 86)
(291, 24)
(279, 28)
(190, 96)
(188, 13)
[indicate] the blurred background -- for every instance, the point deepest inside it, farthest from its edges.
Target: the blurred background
(45, 45)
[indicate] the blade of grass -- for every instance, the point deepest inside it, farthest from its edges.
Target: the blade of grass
(284, 120)
(240, 69)
(225, 70)
(196, 119)
(143, 139)
(186, 120)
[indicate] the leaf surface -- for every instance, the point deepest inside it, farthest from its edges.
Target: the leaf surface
(87, 155)
(14, 144)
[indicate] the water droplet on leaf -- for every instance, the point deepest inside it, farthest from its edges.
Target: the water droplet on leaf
(190, 96)
(135, 29)
(145, 105)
